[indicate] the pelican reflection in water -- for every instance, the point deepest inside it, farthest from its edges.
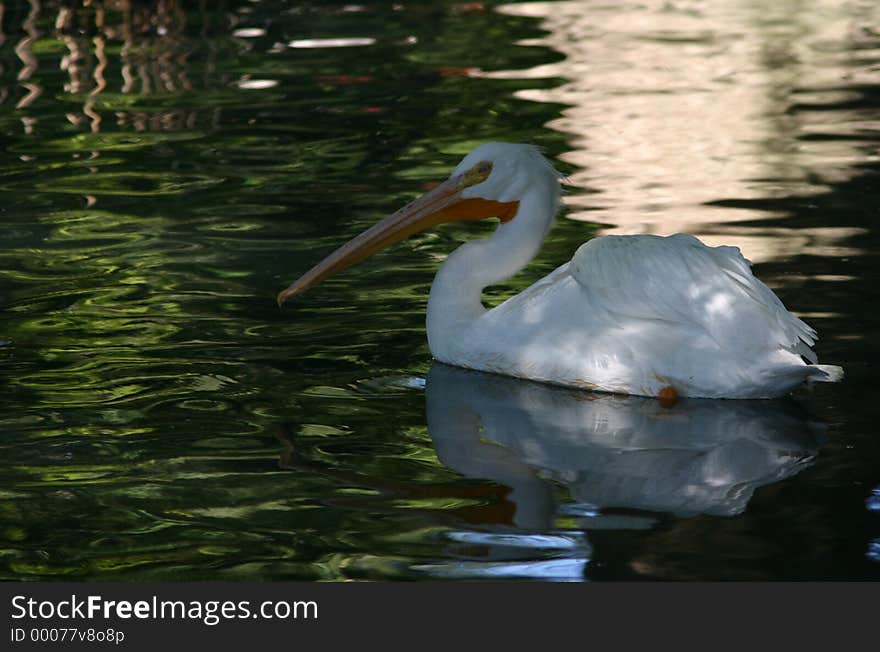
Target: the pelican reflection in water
(610, 453)
(695, 457)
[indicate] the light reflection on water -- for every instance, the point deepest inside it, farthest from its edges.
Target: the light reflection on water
(165, 172)
(673, 107)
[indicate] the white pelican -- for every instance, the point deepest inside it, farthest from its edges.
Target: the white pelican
(642, 314)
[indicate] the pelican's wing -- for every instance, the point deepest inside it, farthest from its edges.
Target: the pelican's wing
(681, 280)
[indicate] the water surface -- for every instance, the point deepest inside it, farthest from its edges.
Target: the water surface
(165, 173)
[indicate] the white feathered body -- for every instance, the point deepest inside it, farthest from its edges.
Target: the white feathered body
(636, 315)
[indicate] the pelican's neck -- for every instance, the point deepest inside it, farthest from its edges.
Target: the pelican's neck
(455, 300)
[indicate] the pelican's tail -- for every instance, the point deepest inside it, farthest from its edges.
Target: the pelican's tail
(825, 373)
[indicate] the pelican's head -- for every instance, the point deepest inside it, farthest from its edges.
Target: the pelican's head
(513, 169)
(489, 182)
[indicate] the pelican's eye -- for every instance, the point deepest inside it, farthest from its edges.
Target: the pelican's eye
(479, 173)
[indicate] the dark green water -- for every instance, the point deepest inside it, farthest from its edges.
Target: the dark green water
(164, 173)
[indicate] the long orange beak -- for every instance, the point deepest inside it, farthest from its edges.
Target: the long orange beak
(442, 204)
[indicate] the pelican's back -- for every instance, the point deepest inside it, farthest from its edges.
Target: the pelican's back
(680, 280)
